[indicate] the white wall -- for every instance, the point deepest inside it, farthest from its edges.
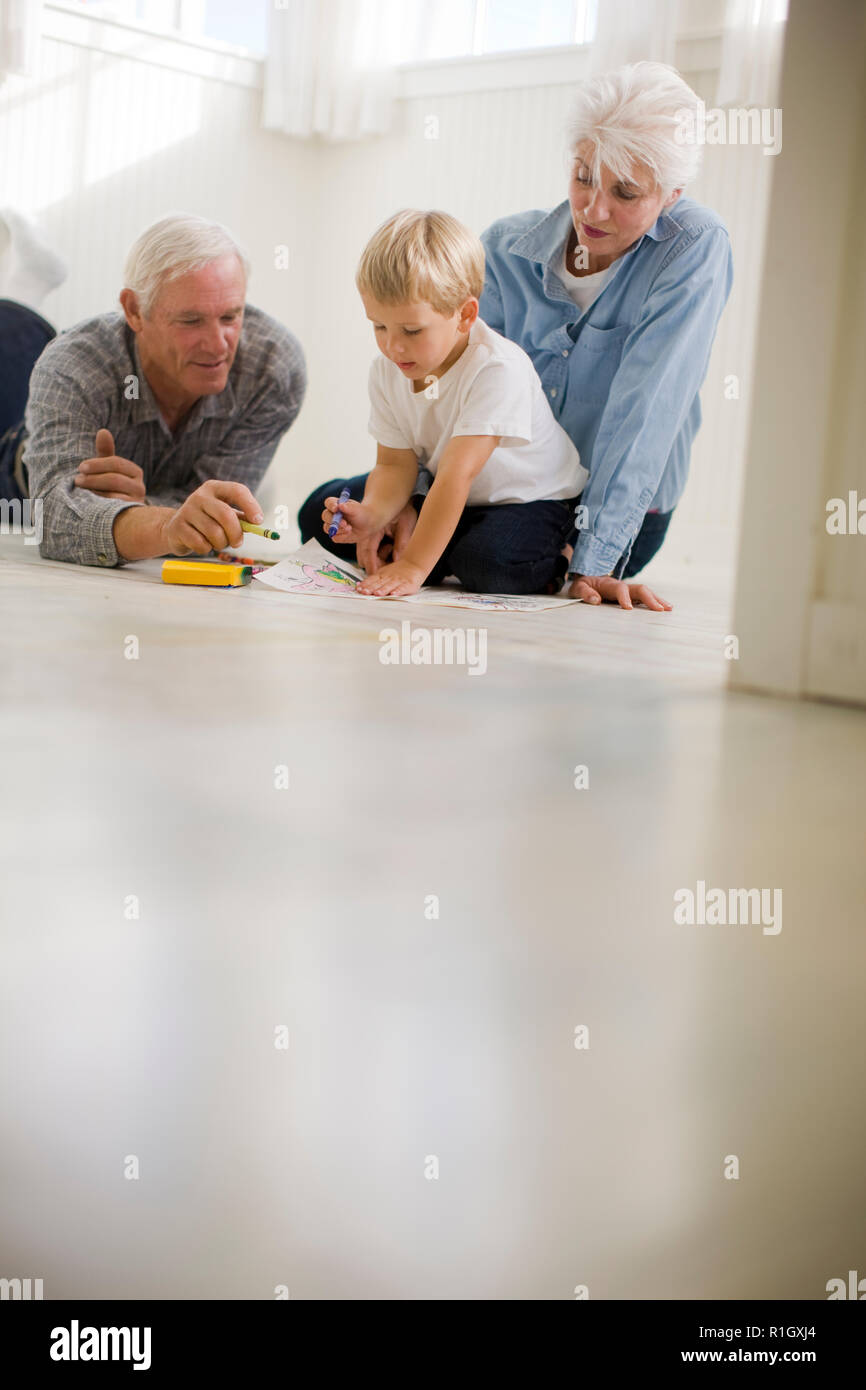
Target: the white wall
(99, 143)
(800, 612)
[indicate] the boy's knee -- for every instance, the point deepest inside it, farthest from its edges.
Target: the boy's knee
(481, 574)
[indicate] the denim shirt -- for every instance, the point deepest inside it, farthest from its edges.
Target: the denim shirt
(623, 376)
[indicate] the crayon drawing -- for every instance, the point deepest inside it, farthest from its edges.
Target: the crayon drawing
(325, 578)
(445, 597)
(313, 571)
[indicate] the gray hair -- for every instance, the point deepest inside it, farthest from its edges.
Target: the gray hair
(174, 246)
(636, 114)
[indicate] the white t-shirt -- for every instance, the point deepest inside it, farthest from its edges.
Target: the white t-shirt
(492, 388)
(584, 289)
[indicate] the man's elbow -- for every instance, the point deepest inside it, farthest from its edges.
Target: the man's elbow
(63, 536)
(59, 545)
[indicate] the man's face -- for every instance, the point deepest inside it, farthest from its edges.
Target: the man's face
(190, 339)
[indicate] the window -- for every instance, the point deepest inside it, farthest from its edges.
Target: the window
(463, 28)
(242, 26)
(428, 29)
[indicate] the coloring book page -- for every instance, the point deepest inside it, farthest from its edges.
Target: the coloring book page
(313, 571)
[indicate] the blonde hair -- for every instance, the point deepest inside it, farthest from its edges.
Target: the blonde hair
(636, 114)
(422, 257)
(174, 246)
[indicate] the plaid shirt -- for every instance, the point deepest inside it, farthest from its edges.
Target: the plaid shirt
(90, 377)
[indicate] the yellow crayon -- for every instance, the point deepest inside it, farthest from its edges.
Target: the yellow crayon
(202, 572)
(260, 531)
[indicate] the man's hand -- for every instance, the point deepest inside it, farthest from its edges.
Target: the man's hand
(393, 581)
(593, 588)
(207, 520)
(110, 475)
(375, 543)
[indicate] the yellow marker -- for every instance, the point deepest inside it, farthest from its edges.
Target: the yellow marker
(202, 572)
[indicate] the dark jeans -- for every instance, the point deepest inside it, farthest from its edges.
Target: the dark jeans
(23, 335)
(511, 543)
(510, 548)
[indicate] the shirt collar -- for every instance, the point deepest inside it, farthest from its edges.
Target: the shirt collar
(544, 240)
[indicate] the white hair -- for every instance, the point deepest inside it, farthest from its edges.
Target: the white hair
(631, 116)
(174, 246)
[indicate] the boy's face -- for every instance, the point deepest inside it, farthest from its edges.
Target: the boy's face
(417, 339)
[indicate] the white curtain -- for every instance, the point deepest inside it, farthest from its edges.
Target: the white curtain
(20, 23)
(331, 64)
(628, 31)
(330, 67)
(751, 52)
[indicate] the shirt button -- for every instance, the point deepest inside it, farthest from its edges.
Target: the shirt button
(553, 392)
(565, 352)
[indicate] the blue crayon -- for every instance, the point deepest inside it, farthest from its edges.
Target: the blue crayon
(338, 515)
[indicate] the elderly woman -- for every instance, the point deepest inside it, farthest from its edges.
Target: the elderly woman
(616, 295)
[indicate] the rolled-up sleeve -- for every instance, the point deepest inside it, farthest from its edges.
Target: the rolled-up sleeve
(664, 361)
(61, 422)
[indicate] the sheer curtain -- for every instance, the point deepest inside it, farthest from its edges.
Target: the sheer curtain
(752, 36)
(20, 22)
(330, 67)
(628, 31)
(751, 52)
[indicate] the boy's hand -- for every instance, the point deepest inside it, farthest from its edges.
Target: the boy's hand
(593, 588)
(393, 581)
(359, 521)
(360, 525)
(383, 546)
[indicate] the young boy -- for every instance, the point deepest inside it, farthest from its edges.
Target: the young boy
(451, 395)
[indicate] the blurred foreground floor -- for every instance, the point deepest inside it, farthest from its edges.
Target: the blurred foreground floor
(412, 1037)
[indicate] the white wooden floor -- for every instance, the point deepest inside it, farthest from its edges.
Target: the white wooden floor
(412, 1037)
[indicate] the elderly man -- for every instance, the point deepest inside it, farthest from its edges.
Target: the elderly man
(148, 431)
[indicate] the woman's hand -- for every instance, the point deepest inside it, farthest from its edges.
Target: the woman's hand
(594, 588)
(393, 581)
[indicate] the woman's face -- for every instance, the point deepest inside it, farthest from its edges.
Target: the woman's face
(611, 216)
